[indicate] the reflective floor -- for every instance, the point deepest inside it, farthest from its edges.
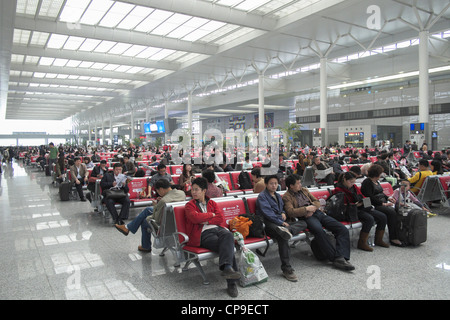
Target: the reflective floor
(64, 250)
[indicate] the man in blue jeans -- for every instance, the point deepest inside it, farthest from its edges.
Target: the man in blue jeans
(301, 204)
(166, 195)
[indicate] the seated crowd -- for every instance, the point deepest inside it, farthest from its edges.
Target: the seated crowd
(284, 215)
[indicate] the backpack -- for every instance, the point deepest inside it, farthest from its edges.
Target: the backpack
(245, 181)
(335, 206)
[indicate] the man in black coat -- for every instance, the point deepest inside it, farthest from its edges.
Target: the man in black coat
(108, 181)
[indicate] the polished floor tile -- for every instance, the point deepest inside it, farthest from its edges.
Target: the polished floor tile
(54, 250)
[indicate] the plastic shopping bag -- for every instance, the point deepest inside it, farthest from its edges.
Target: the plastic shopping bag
(251, 269)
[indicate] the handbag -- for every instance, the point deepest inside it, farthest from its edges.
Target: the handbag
(115, 194)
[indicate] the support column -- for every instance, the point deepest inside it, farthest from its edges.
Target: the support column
(103, 131)
(96, 134)
(132, 126)
(111, 136)
(423, 77)
(190, 113)
(323, 100)
(166, 117)
(89, 132)
(261, 107)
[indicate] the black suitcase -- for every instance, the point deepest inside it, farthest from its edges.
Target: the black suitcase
(47, 170)
(412, 228)
(64, 190)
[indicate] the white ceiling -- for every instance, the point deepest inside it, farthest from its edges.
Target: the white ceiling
(94, 59)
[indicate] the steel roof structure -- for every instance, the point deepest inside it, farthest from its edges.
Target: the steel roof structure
(103, 59)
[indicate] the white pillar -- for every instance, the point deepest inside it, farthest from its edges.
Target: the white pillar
(261, 101)
(111, 131)
(166, 117)
(323, 100)
(423, 78)
(132, 126)
(190, 113)
(103, 131)
(89, 132)
(96, 133)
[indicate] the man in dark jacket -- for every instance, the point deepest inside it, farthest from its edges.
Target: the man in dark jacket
(270, 206)
(109, 181)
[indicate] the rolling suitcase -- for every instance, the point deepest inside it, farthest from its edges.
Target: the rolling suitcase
(64, 190)
(47, 170)
(412, 228)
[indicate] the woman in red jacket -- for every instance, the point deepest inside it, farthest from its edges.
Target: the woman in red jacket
(206, 228)
(367, 216)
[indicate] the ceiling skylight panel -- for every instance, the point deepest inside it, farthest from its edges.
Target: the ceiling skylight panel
(96, 11)
(250, 5)
(89, 44)
(116, 14)
(73, 10)
(162, 54)
(134, 70)
(171, 24)
(105, 46)
(21, 36)
(229, 3)
(148, 52)
(153, 20)
(60, 62)
(123, 69)
(111, 67)
(27, 6)
(98, 65)
(85, 64)
(39, 38)
(134, 50)
(204, 30)
(73, 63)
(135, 17)
(74, 43)
(46, 61)
(57, 41)
(119, 48)
(50, 8)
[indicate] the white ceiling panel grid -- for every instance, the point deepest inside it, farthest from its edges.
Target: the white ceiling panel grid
(121, 54)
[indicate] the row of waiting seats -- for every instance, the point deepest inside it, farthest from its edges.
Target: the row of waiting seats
(172, 236)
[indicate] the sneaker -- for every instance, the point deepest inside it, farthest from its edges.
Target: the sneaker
(343, 264)
(283, 233)
(232, 289)
(290, 275)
